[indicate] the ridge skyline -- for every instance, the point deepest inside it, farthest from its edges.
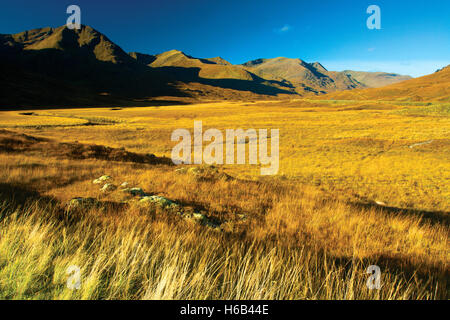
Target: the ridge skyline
(413, 40)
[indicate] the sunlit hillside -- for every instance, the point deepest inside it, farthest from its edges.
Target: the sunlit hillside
(433, 87)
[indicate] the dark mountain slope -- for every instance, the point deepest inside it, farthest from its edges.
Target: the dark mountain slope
(213, 72)
(67, 67)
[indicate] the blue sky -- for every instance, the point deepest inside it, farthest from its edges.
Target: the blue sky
(414, 38)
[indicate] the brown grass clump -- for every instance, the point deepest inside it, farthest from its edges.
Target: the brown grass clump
(133, 254)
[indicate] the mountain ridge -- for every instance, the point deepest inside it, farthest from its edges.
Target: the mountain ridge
(52, 66)
(312, 77)
(59, 66)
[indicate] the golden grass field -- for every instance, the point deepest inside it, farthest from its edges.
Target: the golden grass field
(355, 188)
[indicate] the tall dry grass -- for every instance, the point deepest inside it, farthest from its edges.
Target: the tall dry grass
(309, 233)
(134, 256)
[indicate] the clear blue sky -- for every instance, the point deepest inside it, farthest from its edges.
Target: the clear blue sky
(414, 39)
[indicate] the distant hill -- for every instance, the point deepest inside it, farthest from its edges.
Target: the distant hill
(306, 77)
(284, 73)
(208, 68)
(212, 72)
(376, 79)
(433, 87)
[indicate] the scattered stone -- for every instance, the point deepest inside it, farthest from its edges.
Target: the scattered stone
(380, 203)
(208, 172)
(162, 201)
(196, 171)
(242, 216)
(420, 144)
(82, 203)
(135, 192)
(181, 170)
(199, 216)
(108, 187)
(187, 213)
(101, 179)
(212, 225)
(203, 220)
(170, 204)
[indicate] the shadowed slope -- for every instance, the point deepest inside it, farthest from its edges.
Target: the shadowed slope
(213, 72)
(63, 67)
(73, 67)
(209, 69)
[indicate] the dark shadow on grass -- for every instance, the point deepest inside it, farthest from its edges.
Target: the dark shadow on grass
(257, 85)
(432, 217)
(407, 270)
(17, 196)
(13, 142)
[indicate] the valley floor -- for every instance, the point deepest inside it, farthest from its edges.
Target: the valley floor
(360, 183)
